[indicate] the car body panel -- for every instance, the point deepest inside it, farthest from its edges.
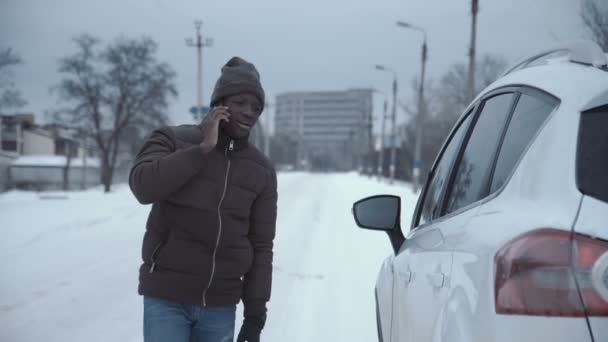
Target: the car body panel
(427, 257)
(541, 192)
(593, 221)
(577, 84)
(471, 315)
(384, 297)
(599, 325)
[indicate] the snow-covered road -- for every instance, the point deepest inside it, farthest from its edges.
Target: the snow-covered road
(69, 263)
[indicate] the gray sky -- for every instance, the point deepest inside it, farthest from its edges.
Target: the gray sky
(296, 45)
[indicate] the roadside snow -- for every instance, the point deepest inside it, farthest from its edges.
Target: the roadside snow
(53, 161)
(71, 260)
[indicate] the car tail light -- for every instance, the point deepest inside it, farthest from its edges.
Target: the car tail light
(547, 272)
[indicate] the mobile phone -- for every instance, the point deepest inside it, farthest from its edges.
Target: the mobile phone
(223, 123)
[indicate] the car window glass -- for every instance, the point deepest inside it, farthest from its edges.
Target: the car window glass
(592, 153)
(431, 206)
(475, 165)
(529, 115)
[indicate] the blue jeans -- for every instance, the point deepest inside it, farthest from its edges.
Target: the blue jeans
(167, 321)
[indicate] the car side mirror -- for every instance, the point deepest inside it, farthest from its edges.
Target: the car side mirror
(377, 212)
(381, 212)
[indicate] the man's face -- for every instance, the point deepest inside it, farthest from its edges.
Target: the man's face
(245, 109)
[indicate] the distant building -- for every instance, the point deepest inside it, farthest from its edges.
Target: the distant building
(20, 136)
(36, 156)
(257, 135)
(327, 130)
(49, 172)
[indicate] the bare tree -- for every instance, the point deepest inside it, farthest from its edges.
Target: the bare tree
(594, 14)
(452, 88)
(68, 163)
(10, 97)
(444, 103)
(113, 92)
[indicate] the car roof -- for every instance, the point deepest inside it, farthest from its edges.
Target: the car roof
(575, 83)
(573, 71)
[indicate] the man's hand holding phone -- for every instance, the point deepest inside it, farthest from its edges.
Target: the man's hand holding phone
(210, 127)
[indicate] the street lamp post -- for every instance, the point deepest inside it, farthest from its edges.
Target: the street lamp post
(365, 160)
(380, 167)
(418, 143)
(394, 123)
(471, 80)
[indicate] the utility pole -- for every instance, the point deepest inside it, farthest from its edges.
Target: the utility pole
(420, 116)
(471, 83)
(267, 131)
(299, 128)
(419, 122)
(353, 151)
(84, 161)
(393, 160)
(199, 44)
(370, 137)
(381, 157)
(392, 167)
(294, 125)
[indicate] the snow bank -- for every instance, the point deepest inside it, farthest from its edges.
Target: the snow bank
(53, 161)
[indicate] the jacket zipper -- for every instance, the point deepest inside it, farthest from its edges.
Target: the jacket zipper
(219, 215)
(153, 256)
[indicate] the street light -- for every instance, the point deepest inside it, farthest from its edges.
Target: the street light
(380, 169)
(394, 122)
(418, 144)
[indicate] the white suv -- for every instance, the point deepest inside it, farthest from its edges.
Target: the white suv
(509, 240)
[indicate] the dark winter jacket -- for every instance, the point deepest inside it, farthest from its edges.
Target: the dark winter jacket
(210, 231)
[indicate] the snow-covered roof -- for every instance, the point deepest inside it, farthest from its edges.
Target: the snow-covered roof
(8, 154)
(53, 161)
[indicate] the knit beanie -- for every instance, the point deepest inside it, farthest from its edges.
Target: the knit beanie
(238, 76)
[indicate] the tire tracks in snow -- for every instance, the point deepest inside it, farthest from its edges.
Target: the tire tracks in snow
(300, 202)
(323, 240)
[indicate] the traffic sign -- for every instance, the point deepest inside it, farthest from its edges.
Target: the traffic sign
(202, 110)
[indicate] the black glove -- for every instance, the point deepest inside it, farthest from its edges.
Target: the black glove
(251, 329)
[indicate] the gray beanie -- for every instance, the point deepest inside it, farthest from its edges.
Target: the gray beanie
(238, 76)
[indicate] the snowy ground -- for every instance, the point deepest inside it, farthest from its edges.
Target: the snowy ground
(70, 261)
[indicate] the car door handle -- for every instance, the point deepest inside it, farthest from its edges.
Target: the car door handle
(406, 276)
(437, 279)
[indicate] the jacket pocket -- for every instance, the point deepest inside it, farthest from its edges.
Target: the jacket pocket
(154, 254)
(251, 256)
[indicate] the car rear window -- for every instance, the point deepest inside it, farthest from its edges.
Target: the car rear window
(529, 115)
(592, 154)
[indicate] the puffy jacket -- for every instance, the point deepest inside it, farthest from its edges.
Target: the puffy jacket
(210, 231)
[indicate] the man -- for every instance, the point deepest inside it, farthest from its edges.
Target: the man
(209, 235)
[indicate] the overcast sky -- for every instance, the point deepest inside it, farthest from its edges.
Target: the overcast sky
(296, 45)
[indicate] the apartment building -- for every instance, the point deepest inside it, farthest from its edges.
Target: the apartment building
(329, 130)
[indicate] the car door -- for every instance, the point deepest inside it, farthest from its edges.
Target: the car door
(384, 292)
(422, 265)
